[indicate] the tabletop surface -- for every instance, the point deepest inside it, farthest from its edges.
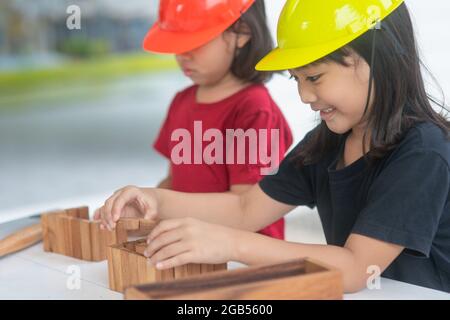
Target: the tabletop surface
(35, 274)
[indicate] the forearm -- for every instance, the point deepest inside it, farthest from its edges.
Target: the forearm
(218, 208)
(256, 249)
(165, 184)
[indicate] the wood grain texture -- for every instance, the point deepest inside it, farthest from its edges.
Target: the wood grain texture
(134, 268)
(294, 280)
(21, 239)
(70, 232)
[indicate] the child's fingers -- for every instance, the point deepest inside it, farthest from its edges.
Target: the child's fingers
(108, 207)
(104, 223)
(118, 202)
(162, 227)
(176, 261)
(171, 251)
(163, 240)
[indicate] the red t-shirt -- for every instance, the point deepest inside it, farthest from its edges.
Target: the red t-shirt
(250, 108)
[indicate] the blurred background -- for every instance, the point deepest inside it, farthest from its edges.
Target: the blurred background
(80, 109)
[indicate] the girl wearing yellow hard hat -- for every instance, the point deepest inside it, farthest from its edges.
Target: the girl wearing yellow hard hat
(217, 44)
(376, 167)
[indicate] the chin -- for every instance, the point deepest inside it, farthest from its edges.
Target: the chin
(336, 128)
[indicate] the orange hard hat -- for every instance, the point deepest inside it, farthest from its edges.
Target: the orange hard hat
(184, 25)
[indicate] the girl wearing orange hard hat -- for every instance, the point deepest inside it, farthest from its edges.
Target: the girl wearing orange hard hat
(217, 44)
(377, 166)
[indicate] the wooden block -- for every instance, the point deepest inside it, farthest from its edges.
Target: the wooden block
(51, 233)
(96, 241)
(193, 269)
(128, 224)
(286, 281)
(60, 235)
(130, 246)
(103, 236)
(133, 269)
(146, 273)
(76, 238)
(111, 274)
(109, 238)
(83, 213)
(117, 269)
(181, 272)
(68, 232)
(158, 275)
(72, 212)
(68, 239)
(168, 274)
(206, 268)
(85, 235)
(147, 225)
(220, 267)
(140, 248)
(121, 235)
(56, 234)
(126, 271)
(45, 233)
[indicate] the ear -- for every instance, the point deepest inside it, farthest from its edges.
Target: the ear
(243, 39)
(244, 35)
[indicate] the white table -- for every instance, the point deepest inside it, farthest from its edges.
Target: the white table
(35, 274)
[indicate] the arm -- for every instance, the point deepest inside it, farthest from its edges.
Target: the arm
(359, 253)
(251, 210)
(167, 182)
(181, 241)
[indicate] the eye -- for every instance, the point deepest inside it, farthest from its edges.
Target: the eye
(293, 77)
(314, 78)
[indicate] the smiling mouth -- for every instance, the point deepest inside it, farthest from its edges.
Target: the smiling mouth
(329, 110)
(327, 114)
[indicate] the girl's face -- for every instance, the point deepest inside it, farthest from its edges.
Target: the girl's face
(338, 92)
(210, 63)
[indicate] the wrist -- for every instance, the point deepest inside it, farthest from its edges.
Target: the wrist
(239, 245)
(155, 198)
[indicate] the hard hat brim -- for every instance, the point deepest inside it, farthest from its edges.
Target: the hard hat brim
(158, 40)
(288, 59)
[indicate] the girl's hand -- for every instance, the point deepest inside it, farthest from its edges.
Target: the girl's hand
(129, 202)
(177, 242)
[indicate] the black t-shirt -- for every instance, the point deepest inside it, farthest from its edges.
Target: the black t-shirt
(402, 199)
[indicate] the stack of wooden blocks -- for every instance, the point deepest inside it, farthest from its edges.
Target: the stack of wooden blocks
(71, 233)
(128, 266)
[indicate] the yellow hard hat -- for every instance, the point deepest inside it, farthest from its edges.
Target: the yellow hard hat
(311, 29)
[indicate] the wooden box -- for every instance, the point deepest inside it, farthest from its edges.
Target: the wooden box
(128, 266)
(302, 279)
(71, 233)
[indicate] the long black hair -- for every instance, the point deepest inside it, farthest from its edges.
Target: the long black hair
(400, 99)
(254, 23)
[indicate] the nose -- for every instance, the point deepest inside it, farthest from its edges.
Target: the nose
(307, 93)
(185, 56)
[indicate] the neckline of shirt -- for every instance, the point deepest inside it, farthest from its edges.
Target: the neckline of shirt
(224, 100)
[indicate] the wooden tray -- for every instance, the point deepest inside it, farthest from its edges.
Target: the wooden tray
(70, 232)
(128, 266)
(295, 280)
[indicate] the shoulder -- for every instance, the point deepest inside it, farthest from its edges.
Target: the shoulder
(182, 99)
(255, 99)
(185, 93)
(425, 138)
